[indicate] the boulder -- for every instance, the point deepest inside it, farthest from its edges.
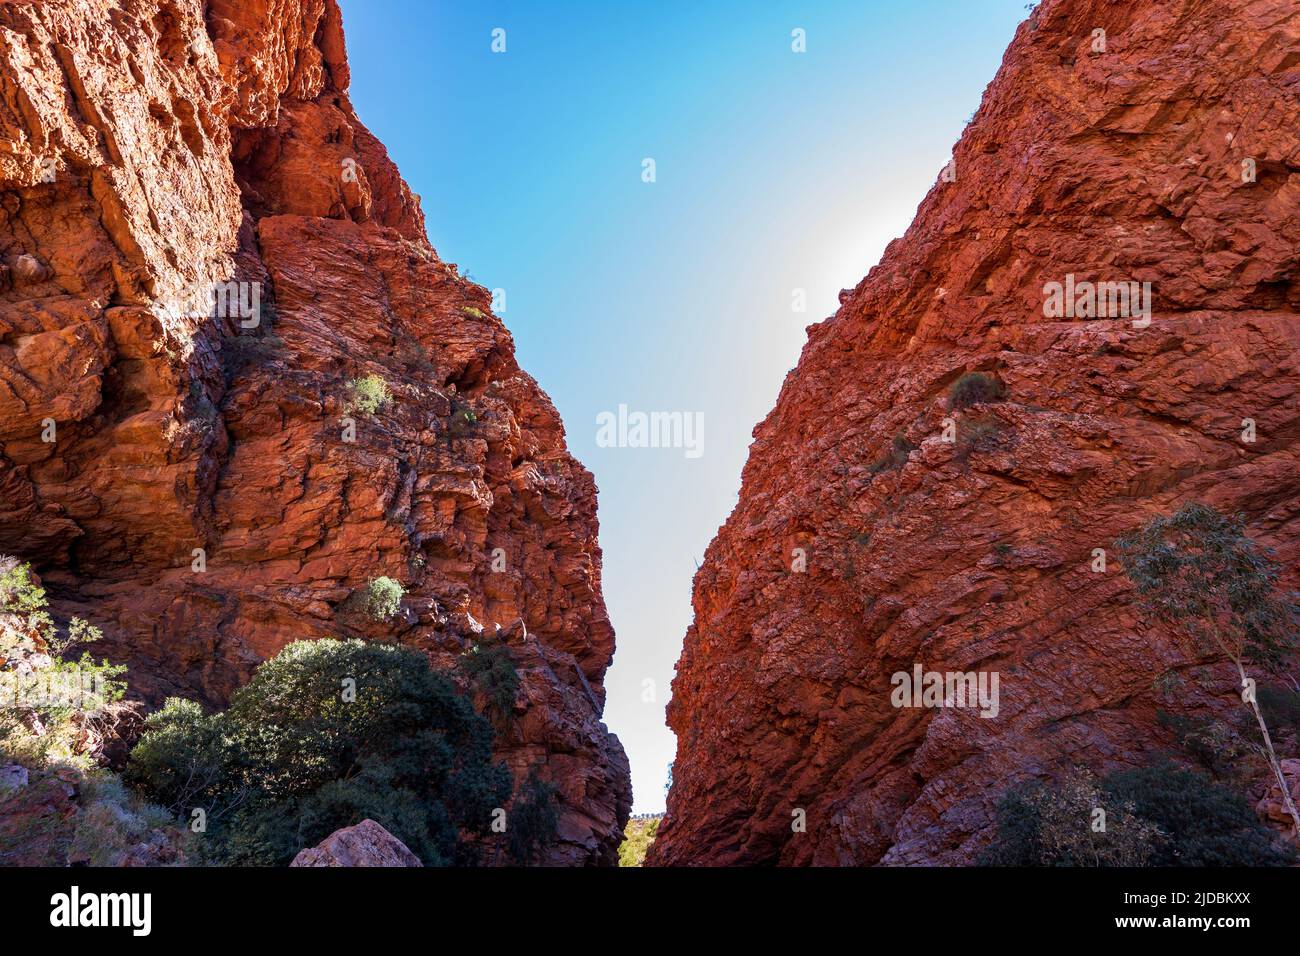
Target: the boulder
(366, 844)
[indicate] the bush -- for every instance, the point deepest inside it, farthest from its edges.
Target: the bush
(18, 593)
(492, 671)
(533, 820)
(1053, 825)
(896, 457)
(975, 388)
(55, 705)
(1200, 573)
(368, 394)
(326, 734)
(1214, 745)
(381, 598)
(463, 418)
(1162, 815)
(1202, 823)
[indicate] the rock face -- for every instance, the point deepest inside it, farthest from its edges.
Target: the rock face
(1167, 151)
(366, 844)
(200, 248)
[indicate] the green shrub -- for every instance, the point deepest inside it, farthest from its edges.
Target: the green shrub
(1162, 815)
(1202, 823)
(492, 671)
(975, 388)
(56, 702)
(473, 312)
(326, 734)
(533, 821)
(368, 394)
(183, 756)
(1214, 745)
(18, 593)
(381, 598)
(1053, 825)
(463, 418)
(1198, 572)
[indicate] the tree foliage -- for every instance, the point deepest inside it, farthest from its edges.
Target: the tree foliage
(326, 734)
(492, 671)
(1162, 815)
(1200, 572)
(381, 598)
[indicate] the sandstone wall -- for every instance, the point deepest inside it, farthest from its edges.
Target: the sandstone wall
(149, 148)
(972, 555)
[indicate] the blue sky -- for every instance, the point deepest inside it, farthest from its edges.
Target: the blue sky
(775, 171)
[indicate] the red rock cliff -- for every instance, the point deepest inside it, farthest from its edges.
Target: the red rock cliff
(152, 148)
(1122, 164)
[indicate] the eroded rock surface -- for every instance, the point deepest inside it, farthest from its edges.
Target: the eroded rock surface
(366, 844)
(189, 482)
(1170, 156)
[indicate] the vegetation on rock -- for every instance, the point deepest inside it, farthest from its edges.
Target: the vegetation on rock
(368, 394)
(975, 388)
(381, 598)
(492, 672)
(1199, 571)
(1163, 815)
(326, 734)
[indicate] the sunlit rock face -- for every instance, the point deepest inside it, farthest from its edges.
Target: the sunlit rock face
(1164, 150)
(186, 471)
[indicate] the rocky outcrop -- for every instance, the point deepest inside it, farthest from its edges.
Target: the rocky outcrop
(366, 844)
(878, 529)
(202, 248)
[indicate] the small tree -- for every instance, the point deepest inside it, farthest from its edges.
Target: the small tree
(533, 820)
(327, 734)
(1198, 571)
(59, 706)
(382, 598)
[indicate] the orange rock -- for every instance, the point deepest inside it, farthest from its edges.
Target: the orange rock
(202, 499)
(977, 554)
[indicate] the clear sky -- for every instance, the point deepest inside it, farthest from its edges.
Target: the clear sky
(774, 171)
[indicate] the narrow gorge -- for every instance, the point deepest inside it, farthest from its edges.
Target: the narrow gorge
(250, 419)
